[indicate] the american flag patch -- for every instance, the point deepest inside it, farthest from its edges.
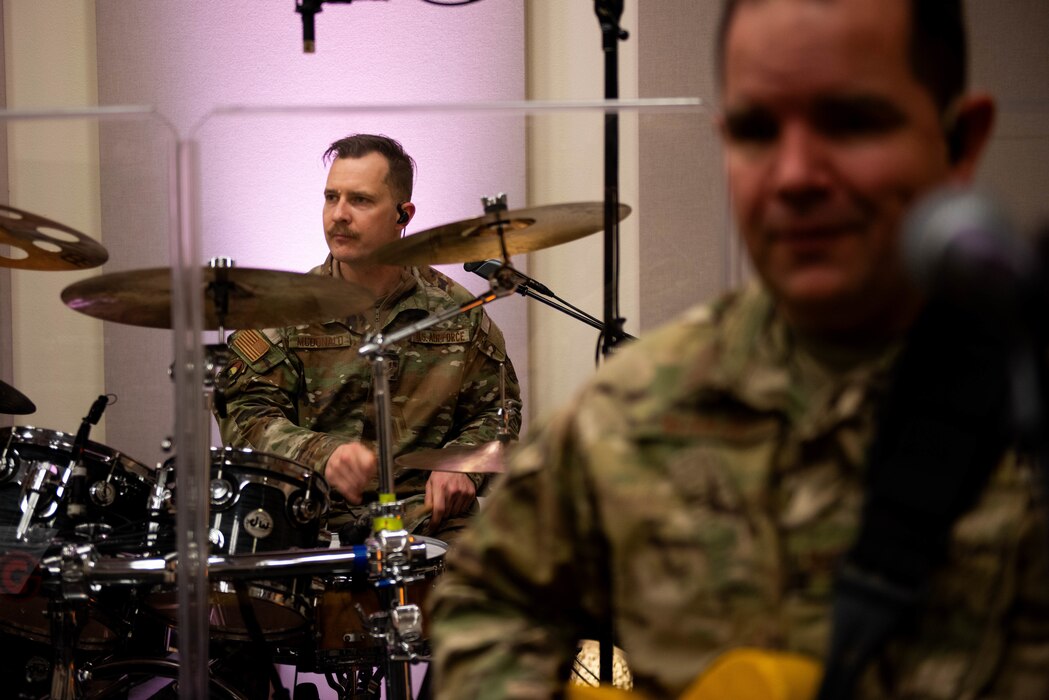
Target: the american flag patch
(250, 344)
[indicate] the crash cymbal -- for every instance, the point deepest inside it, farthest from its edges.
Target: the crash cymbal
(41, 244)
(255, 298)
(524, 230)
(489, 458)
(14, 402)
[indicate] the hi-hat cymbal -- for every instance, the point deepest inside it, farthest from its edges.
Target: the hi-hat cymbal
(41, 244)
(14, 402)
(524, 230)
(255, 298)
(489, 458)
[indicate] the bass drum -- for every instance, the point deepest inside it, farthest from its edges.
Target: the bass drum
(258, 503)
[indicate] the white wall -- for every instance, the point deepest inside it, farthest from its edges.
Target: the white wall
(53, 172)
(566, 62)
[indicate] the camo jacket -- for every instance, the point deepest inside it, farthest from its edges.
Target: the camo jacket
(699, 493)
(299, 392)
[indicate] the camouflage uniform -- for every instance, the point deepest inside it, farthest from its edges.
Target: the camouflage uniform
(299, 392)
(699, 492)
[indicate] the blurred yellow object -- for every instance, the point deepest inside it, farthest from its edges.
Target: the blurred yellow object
(740, 674)
(758, 674)
(587, 692)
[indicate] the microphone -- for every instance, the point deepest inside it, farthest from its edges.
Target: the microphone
(960, 245)
(308, 9)
(487, 268)
(76, 472)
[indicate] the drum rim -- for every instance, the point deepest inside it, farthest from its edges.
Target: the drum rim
(238, 456)
(131, 465)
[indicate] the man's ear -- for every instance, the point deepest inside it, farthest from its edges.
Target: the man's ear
(968, 131)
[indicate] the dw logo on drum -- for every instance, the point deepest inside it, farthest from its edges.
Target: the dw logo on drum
(258, 523)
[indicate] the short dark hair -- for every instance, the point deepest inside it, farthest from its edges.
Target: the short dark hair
(402, 167)
(937, 51)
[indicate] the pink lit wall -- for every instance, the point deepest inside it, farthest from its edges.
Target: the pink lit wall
(261, 173)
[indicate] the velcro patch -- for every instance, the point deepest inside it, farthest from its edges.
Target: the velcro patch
(250, 343)
(320, 341)
(442, 337)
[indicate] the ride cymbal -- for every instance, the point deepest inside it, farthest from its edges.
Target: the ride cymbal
(524, 230)
(489, 458)
(41, 244)
(252, 298)
(14, 402)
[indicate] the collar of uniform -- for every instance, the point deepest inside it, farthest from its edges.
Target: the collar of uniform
(761, 364)
(405, 290)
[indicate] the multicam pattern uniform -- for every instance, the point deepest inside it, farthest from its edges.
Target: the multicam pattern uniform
(699, 492)
(300, 392)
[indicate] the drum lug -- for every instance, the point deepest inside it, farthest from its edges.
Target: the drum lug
(221, 492)
(304, 510)
(408, 622)
(103, 493)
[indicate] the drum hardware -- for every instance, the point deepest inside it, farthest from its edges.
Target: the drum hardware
(14, 402)
(68, 613)
(528, 287)
(82, 563)
(42, 244)
(74, 476)
(497, 233)
(123, 670)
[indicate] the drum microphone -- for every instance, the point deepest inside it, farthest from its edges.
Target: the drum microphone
(487, 268)
(76, 472)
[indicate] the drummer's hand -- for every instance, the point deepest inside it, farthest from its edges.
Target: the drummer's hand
(448, 494)
(350, 469)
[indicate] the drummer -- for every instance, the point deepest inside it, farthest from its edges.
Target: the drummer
(304, 392)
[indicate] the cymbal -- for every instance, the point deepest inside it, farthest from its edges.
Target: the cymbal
(41, 244)
(255, 298)
(524, 230)
(14, 402)
(489, 458)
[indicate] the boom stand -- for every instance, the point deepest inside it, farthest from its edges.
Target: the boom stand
(389, 548)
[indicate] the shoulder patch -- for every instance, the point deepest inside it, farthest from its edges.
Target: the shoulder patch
(250, 343)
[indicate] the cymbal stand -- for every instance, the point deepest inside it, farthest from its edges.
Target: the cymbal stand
(609, 13)
(390, 551)
(216, 355)
(68, 612)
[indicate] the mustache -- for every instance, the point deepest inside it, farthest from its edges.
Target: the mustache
(340, 230)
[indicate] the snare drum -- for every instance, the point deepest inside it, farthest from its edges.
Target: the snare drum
(258, 503)
(116, 494)
(342, 612)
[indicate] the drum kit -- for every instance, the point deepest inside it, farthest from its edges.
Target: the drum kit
(88, 561)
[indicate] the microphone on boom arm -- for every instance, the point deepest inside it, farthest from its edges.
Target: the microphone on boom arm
(308, 9)
(487, 268)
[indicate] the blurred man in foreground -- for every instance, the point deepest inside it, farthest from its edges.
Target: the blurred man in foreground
(715, 486)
